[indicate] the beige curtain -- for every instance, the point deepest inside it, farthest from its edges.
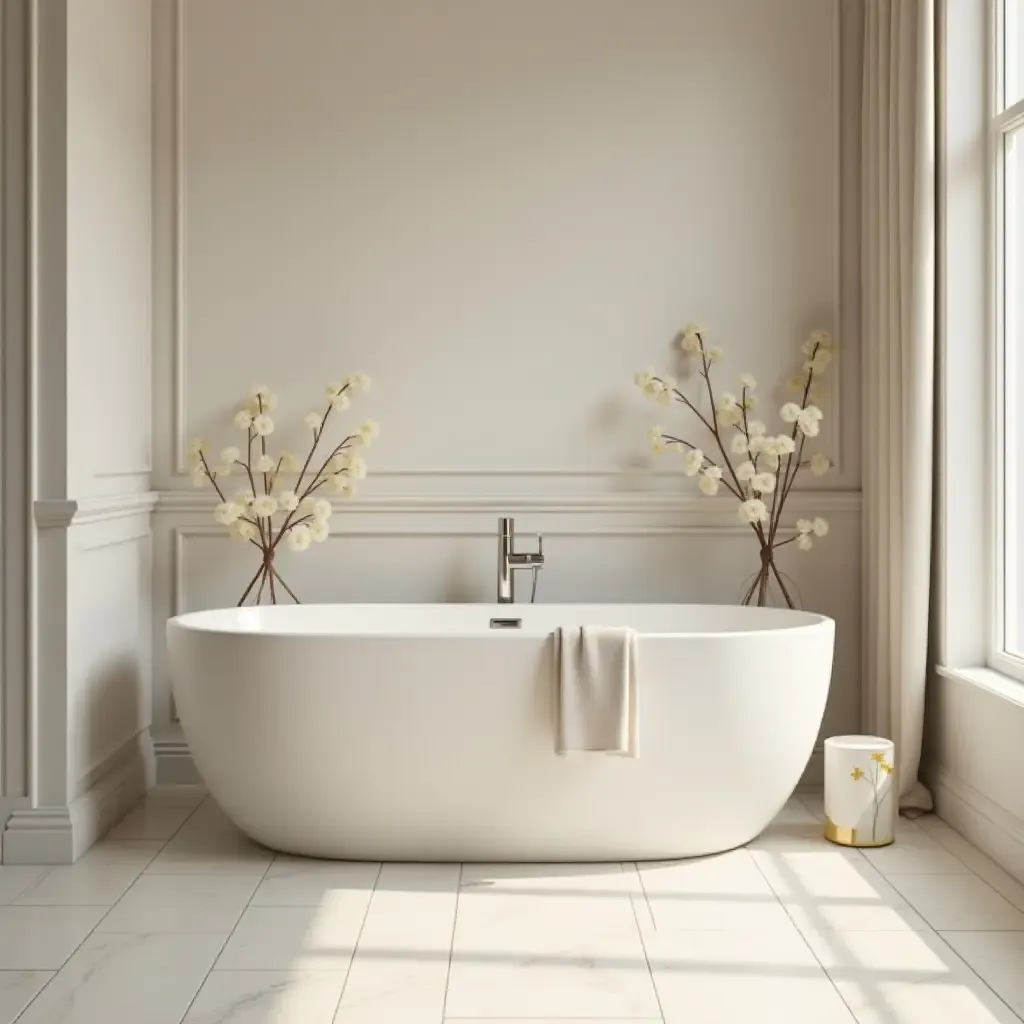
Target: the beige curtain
(898, 337)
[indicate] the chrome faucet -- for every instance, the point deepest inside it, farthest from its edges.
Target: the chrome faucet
(509, 560)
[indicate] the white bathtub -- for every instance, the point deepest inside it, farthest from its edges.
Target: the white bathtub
(417, 732)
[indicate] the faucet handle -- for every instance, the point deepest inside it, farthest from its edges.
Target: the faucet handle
(540, 544)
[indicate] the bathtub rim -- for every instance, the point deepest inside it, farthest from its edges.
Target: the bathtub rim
(220, 623)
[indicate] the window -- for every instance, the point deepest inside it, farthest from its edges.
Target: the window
(1007, 141)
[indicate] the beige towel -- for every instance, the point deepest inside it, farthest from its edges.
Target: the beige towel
(598, 695)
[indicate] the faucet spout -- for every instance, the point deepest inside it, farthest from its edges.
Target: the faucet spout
(509, 560)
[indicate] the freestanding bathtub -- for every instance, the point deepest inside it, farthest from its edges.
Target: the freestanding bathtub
(419, 732)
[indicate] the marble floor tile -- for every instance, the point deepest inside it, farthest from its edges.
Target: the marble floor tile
(127, 979)
(984, 867)
(997, 958)
(914, 853)
(582, 880)
(959, 903)
(400, 968)
(42, 938)
(148, 820)
(551, 941)
(726, 891)
(824, 891)
(15, 879)
(814, 801)
(720, 977)
(177, 796)
(184, 920)
(100, 877)
(295, 882)
(17, 990)
(314, 938)
(795, 812)
(799, 837)
(209, 843)
(182, 903)
(267, 997)
(906, 978)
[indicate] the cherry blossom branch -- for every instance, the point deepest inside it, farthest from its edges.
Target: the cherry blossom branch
(252, 583)
(711, 462)
(212, 477)
(782, 493)
(713, 426)
(706, 374)
(337, 451)
(291, 592)
(288, 525)
(270, 578)
(317, 434)
(778, 577)
(753, 586)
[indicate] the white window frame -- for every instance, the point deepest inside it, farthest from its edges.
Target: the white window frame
(1003, 121)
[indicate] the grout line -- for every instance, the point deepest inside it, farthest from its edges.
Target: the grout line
(157, 839)
(970, 968)
(985, 858)
(85, 939)
(28, 885)
(451, 944)
(359, 935)
(804, 940)
(647, 897)
(234, 928)
(92, 931)
(640, 932)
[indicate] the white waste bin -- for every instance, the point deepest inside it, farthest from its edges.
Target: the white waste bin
(861, 802)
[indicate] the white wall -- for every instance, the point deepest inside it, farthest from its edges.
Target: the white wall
(109, 186)
(109, 332)
(976, 725)
(90, 347)
(500, 211)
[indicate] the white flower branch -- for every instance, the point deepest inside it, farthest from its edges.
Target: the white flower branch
(770, 463)
(249, 515)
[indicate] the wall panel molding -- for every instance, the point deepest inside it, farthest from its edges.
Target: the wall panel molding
(170, 271)
(60, 513)
(689, 506)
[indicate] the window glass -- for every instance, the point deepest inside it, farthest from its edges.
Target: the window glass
(1013, 52)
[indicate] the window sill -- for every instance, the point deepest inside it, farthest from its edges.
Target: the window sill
(989, 679)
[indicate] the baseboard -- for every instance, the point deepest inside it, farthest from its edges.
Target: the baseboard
(60, 835)
(174, 764)
(39, 835)
(990, 827)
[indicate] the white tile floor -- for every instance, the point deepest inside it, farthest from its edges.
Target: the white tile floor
(178, 918)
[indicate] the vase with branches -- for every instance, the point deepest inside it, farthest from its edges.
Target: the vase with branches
(759, 469)
(283, 495)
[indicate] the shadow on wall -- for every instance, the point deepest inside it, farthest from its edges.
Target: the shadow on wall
(462, 583)
(106, 714)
